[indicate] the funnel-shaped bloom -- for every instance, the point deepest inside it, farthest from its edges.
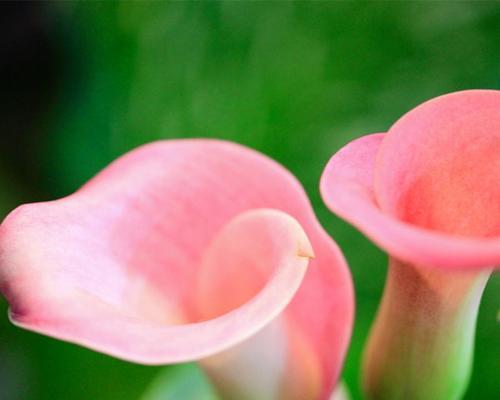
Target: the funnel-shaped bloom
(187, 250)
(428, 192)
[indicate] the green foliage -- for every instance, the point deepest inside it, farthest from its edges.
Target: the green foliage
(180, 382)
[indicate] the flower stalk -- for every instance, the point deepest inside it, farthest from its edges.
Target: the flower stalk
(421, 345)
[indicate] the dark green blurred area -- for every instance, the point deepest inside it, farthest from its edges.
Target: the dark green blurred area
(82, 83)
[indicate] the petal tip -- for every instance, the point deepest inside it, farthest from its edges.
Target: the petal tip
(291, 225)
(305, 249)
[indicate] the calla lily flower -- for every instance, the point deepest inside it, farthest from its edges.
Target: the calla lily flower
(427, 192)
(187, 250)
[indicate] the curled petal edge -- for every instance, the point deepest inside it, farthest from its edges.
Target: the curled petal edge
(83, 319)
(347, 188)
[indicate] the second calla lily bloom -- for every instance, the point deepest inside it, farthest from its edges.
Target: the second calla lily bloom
(188, 250)
(428, 192)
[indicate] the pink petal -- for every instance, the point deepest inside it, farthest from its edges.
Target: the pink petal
(264, 239)
(131, 264)
(347, 189)
(439, 165)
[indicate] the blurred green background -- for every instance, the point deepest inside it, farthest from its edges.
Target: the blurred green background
(81, 83)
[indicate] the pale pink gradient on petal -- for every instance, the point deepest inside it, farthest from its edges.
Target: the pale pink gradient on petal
(128, 264)
(347, 189)
(439, 165)
(274, 239)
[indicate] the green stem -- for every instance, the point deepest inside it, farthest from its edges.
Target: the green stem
(422, 342)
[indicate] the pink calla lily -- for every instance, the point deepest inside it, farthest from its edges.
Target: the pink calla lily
(428, 193)
(187, 250)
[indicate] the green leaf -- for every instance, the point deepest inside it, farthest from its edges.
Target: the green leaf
(185, 382)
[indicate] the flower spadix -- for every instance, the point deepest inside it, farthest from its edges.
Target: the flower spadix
(187, 250)
(428, 192)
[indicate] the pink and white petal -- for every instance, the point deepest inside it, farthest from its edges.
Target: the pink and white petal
(347, 189)
(439, 165)
(130, 249)
(265, 239)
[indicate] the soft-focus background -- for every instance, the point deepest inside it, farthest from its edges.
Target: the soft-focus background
(81, 83)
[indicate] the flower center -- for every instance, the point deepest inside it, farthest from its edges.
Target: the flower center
(458, 194)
